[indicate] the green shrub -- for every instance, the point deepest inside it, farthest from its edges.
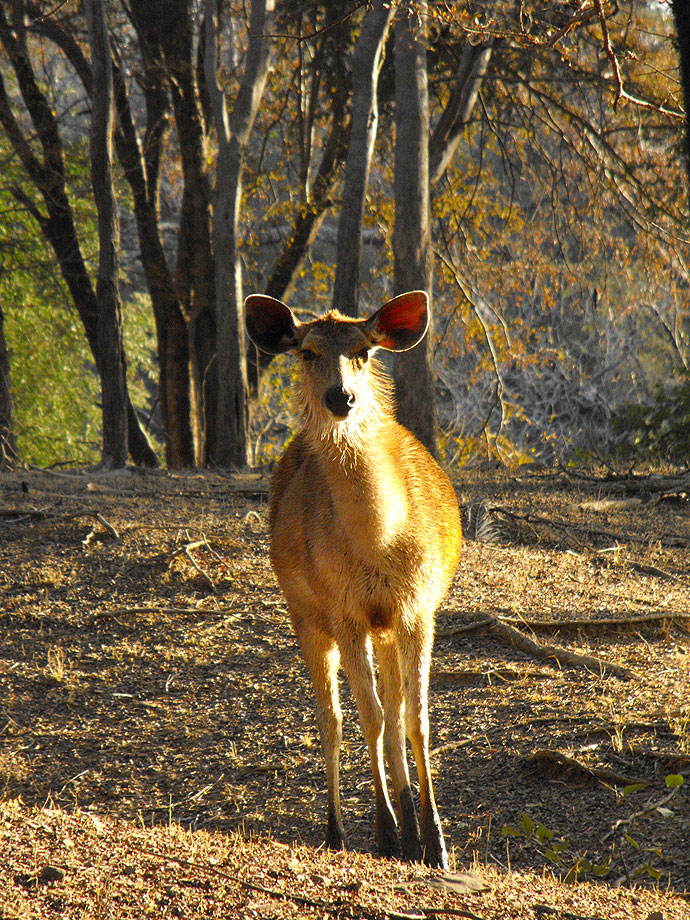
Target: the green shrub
(659, 430)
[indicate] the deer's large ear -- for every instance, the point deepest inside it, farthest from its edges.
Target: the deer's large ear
(401, 323)
(270, 324)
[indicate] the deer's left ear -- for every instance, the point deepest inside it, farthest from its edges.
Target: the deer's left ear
(401, 323)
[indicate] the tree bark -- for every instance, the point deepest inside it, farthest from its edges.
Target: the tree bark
(232, 447)
(412, 268)
(109, 317)
(366, 66)
(306, 226)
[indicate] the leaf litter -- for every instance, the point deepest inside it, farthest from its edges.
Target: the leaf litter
(159, 755)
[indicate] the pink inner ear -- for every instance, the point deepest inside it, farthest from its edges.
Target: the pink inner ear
(402, 322)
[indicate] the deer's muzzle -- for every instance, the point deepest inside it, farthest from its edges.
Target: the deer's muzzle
(339, 401)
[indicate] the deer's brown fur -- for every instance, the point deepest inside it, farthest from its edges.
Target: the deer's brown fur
(365, 540)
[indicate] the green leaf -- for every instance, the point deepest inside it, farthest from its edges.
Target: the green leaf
(578, 870)
(527, 824)
(543, 834)
(633, 843)
(674, 780)
(634, 787)
(553, 857)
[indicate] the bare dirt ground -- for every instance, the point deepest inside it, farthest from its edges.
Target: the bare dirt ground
(158, 751)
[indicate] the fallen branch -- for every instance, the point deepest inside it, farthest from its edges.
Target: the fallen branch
(449, 746)
(19, 515)
(101, 520)
(473, 626)
(587, 624)
(169, 611)
(472, 675)
(580, 534)
(651, 483)
(567, 764)
(562, 657)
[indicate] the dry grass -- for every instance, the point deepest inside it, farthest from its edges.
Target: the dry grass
(158, 750)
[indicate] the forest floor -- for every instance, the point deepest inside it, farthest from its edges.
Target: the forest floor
(158, 750)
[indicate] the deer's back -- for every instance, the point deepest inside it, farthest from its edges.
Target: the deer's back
(373, 532)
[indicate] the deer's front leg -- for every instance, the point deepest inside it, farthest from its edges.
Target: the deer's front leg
(321, 656)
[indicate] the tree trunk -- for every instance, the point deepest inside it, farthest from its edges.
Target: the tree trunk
(109, 320)
(142, 168)
(412, 269)
(48, 176)
(8, 449)
(194, 272)
(232, 448)
(142, 171)
(366, 66)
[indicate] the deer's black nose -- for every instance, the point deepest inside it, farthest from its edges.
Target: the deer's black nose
(339, 401)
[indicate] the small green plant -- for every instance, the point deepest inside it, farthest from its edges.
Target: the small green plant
(541, 836)
(555, 850)
(647, 856)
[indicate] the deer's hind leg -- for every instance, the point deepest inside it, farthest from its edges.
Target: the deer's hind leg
(392, 699)
(357, 661)
(322, 659)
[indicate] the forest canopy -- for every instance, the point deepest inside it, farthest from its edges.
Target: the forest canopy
(256, 148)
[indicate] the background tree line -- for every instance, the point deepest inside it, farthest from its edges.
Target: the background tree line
(522, 162)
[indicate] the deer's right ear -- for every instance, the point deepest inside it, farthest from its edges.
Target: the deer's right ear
(270, 324)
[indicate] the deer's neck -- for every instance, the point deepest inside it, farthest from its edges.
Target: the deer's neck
(366, 486)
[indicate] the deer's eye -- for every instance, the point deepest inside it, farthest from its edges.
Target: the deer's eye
(307, 355)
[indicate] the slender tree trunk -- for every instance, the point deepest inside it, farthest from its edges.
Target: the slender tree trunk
(232, 448)
(109, 321)
(366, 66)
(412, 269)
(306, 226)
(142, 171)
(681, 15)
(445, 138)
(48, 176)
(194, 272)
(8, 448)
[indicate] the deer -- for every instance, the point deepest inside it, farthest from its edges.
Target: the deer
(365, 539)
